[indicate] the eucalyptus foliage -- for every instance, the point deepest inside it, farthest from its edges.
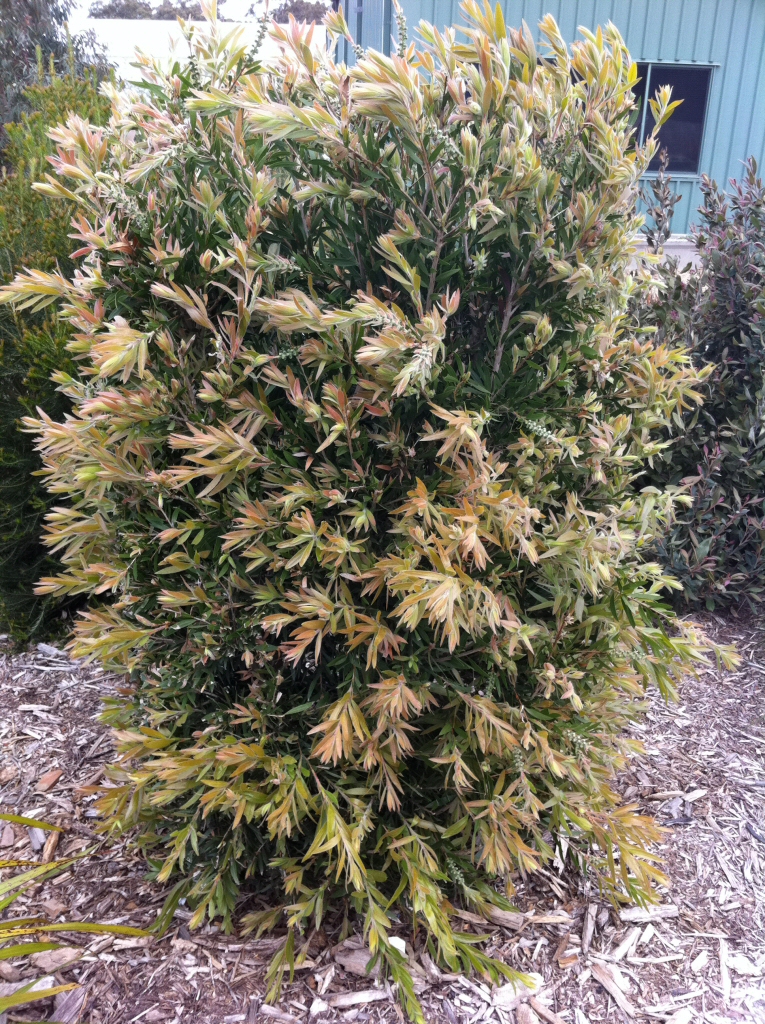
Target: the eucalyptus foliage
(353, 459)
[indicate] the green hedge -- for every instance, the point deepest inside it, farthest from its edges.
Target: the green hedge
(716, 454)
(34, 232)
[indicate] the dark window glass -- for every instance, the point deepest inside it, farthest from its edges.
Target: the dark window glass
(682, 133)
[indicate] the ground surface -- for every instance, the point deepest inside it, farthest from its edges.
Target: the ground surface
(702, 959)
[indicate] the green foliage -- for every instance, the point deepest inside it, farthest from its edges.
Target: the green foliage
(29, 29)
(33, 232)
(301, 10)
(715, 546)
(166, 11)
(357, 420)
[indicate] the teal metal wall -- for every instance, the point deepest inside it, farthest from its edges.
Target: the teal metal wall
(727, 34)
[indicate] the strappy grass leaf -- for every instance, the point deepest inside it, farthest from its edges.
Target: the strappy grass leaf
(16, 928)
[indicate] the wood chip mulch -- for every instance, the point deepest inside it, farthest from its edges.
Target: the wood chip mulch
(698, 957)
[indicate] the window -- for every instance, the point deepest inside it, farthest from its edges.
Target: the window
(682, 133)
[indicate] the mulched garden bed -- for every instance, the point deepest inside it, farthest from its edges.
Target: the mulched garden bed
(699, 956)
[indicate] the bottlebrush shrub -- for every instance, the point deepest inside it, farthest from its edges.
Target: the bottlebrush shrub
(715, 546)
(355, 435)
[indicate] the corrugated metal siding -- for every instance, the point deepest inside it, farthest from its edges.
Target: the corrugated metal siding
(377, 21)
(728, 33)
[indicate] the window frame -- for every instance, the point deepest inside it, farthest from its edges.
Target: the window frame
(712, 67)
